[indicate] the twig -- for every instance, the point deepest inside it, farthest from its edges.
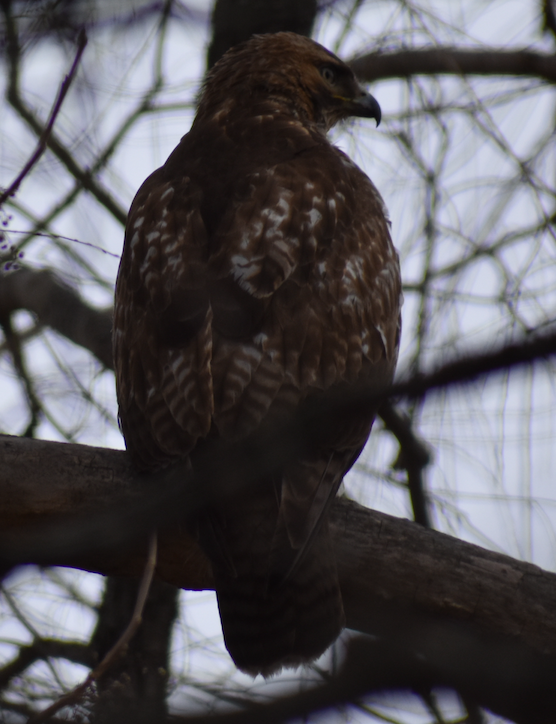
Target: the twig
(44, 649)
(73, 696)
(549, 16)
(85, 177)
(28, 625)
(43, 140)
(414, 457)
(14, 346)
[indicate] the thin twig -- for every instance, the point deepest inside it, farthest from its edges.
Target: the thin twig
(45, 135)
(29, 626)
(84, 177)
(44, 649)
(14, 346)
(73, 696)
(414, 457)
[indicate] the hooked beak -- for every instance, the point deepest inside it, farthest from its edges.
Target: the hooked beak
(366, 106)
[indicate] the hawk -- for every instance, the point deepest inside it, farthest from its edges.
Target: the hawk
(258, 274)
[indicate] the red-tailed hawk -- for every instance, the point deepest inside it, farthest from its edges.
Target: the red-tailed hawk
(257, 272)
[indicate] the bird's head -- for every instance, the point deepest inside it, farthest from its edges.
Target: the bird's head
(291, 71)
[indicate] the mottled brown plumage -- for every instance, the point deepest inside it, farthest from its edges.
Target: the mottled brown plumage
(258, 271)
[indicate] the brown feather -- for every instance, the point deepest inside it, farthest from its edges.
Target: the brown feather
(258, 273)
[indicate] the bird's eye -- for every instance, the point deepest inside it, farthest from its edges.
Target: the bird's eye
(328, 74)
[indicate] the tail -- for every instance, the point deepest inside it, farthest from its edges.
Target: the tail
(272, 620)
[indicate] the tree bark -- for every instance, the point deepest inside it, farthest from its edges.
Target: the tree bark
(45, 486)
(233, 21)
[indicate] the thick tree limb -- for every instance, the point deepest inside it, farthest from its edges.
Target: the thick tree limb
(381, 559)
(60, 307)
(234, 22)
(454, 61)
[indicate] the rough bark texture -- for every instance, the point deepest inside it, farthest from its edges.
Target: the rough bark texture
(382, 560)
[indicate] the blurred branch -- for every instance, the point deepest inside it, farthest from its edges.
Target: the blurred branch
(138, 682)
(454, 61)
(73, 697)
(549, 16)
(61, 308)
(45, 648)
(85, 178)
(506, 680)
(14, 346)
(506, 683)
(234, 22)
(414, 457)
(43, 140)
(44, 294)
(66, 504)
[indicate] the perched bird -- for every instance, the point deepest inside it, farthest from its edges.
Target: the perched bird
(258, 273)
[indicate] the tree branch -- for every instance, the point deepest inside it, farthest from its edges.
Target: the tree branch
(549, 16)
(43, 140)
(234, 22)
(54, 144)
(45, 486)
(60, 307)
(414, 457)
(505, 680)
(45, 648)
(454, 61)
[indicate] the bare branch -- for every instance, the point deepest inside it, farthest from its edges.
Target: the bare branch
(506, 680)
(75, 695)
(60, 307)
(414, 457)
(549, 16)
(45, 648)
(454, 61)
(43, 140)
(13, 95)
(14, 346)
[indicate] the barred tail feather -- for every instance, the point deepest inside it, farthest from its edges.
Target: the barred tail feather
(270, 623)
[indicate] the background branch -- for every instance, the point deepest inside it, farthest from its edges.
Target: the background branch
(63, 154)
(454, 61)
(43, 140)
(55, 304)
(414, 457)
(507, 681)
